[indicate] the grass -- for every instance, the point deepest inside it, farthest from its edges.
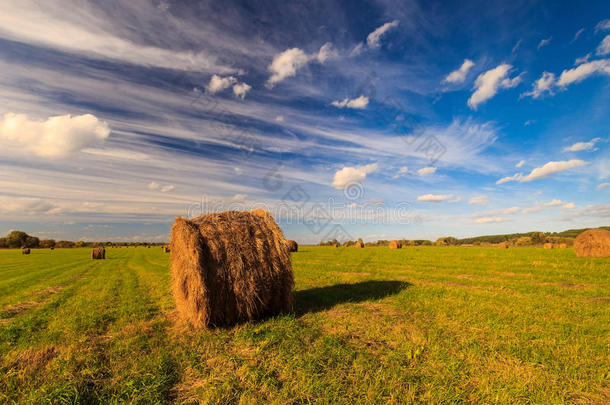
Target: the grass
(373, 325)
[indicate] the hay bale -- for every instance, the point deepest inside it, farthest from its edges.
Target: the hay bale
(548, 246)
(25, 251)
(166, 249)
(293, 246)
(394, 244)
(230, 267)
(98, 253)
(563, 245)
(359, 244)
(593, 243)
(335, 245)
(502, 245)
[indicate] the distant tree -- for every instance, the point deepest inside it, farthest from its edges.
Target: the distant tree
(47, 243)
(80, 244)
(64, 244)
(32, 242)
(3, 243)
(16, 239)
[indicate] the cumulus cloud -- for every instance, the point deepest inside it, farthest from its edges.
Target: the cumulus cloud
(434, 198)
(603, 186)
(583, 71)
(568, 206)
(426, 170)
(241, 89)
(543, 85)
(479, 200)
(544, 42)
(57, 137)
(520, 164)
(326, 53)
(604, 47)
(374, 38)
(544, 171)
(358, 103)
(349, 175)
(218, 83)
(580, 146)
(458, 76)
(286, 64)
(489, 83)
(489, 220)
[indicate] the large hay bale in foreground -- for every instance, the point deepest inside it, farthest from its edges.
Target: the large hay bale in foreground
(359, 244)
(25, 251)
(394, 244)
(548, 246)
(593, 243)
(98, 253)
(293, 246)
(230, 267)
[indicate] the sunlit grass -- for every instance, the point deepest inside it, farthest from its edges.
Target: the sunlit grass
(371, 325)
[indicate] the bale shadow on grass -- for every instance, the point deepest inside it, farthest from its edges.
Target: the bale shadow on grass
(324, 298)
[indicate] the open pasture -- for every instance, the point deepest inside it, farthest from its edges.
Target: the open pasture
(418, 324)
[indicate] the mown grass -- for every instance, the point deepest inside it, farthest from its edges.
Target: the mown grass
(373, 325)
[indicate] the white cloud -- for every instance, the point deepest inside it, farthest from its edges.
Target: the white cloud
(458, 76)
(517, 45)
(57, 137)
(456, 199)
(239, 197)
(578, 33)
(544, 42)
(241, 89)
(604, 47)
(286, 64)
(238, 170)
(544, 171)
(326, 53)
(358, 103)
(582, 59)
(488, 83)
(553, 203)
(580, 146)
(401, 172)
(349, 175)
(603, 186)
(279, 118)
(542, 85)
(154, 185)
(495, 213)
(426, 170)
(520, 164)
(568, 206)
(603, 25)
(583, 71)
(218, 83)
(479, 200)
(167, 188)
(374, 38)
(434, 198)
(489, 220)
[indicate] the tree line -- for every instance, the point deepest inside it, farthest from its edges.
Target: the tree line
(20, 239)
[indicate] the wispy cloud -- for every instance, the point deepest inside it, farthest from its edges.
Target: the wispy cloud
(434, 198)
(582, 146)
(544, 171)
(373, 40)
(489, 83)
(459, 75)
(544, 42)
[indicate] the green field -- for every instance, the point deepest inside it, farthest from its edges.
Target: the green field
(374, 325)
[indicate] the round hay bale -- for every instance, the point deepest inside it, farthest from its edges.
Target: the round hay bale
(293, 246)
(548, 246)
(359, 244)
(230, 267)
(166, 249)
(98, 254)
(563, 245)
(394, 244)
(502, 245)
(25, 251)
(593, 243)
(335, 245)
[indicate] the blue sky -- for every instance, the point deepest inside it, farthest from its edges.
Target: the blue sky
(375, 119)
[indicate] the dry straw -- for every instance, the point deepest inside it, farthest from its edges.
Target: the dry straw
(230, 267)
(593, 243)
(98, 253)
(293, 246)
(394, 244)
(548, 246)
(503, 245)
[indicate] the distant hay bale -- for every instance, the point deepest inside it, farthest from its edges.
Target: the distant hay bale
(166, 249)
(359, 244)
(25, 251)
(230, 267)
(98, 253)
(394, 244)
(548, 246)
(593, 243)
(563, 245)
(335, 245)
(293, 246)
(52, 248)
(502, 245)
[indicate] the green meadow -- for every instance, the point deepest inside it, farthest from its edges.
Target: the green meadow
(374, 325)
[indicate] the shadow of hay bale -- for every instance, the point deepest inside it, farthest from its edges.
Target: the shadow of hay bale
(324, 298)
